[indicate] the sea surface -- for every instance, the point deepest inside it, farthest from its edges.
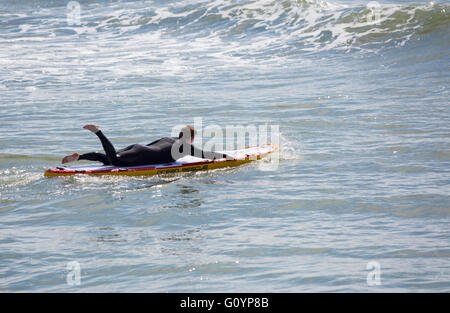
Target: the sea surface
(358, 201)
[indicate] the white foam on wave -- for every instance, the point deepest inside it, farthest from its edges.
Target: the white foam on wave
(136, 39)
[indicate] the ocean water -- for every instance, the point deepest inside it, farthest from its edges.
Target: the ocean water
(358, 202)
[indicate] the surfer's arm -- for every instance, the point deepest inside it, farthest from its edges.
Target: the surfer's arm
(208, 154)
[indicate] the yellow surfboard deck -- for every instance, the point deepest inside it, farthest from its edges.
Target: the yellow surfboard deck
(185, 164)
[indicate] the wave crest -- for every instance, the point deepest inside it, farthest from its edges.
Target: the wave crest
(287, 26)
(254, 27)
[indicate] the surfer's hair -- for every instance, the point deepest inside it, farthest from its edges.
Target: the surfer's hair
(187, 130)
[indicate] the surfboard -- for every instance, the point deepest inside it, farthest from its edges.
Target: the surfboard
(185, 164)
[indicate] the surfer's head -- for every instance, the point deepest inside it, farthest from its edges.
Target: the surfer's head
(187, 133)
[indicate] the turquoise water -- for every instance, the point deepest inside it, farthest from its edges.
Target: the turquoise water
(363, 176)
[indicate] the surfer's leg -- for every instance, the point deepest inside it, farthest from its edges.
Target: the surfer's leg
(110, 151)
(95, 156)
(70, 158)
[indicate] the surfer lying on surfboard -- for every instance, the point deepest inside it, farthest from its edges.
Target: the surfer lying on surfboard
(157, 152)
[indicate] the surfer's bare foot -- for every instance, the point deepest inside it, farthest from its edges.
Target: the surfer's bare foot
(70, 158)
(93, 128)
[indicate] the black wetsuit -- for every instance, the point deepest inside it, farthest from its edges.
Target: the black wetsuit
(157, 152)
